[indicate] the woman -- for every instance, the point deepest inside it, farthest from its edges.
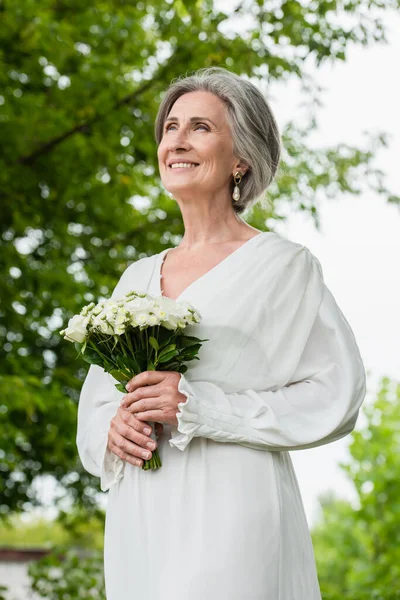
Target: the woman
(223, 517)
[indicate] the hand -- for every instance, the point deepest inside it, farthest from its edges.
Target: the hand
(154, 396)
(126, 437)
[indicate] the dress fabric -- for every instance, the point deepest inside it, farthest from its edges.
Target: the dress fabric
(223, 517)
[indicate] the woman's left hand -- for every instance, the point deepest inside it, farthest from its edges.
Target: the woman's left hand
(154, 396)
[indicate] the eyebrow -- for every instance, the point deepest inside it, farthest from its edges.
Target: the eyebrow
(191, 120)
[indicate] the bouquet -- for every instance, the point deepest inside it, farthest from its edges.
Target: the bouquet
(135, 333)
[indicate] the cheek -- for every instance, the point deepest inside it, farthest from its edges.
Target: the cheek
(217, 152)
(162, 149)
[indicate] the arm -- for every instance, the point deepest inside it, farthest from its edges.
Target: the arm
(98, 404)
(99, 401)
(319, 405)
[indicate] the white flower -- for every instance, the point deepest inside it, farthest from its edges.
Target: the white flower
(139, 304)
(98, 308)
(142, 318)
(159, 312)
(87, 309)
(100, 322)
(105, 327)
(153, 320)
(76, 329)
(121, 317)
(168, 325)
(171, 322)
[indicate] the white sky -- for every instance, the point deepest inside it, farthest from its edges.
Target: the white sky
(359, 247)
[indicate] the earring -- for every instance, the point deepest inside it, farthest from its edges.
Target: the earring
(236, 191)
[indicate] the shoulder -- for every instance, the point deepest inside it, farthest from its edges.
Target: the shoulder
(293, 256)
(135, 276)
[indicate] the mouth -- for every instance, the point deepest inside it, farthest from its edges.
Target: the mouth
(182, 165)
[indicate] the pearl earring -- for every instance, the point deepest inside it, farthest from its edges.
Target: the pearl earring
(236, 191)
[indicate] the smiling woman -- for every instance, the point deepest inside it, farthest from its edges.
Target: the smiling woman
(196, 152)
(213, 122)
(223, 518)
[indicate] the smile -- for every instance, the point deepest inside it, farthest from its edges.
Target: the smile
(183, 165)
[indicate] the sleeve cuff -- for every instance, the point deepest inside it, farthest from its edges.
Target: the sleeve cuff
(112, 469)
(187, 426)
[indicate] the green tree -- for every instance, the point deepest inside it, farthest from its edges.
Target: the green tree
(81, 198)
(358, 548)
(69, 573)
(74, 528)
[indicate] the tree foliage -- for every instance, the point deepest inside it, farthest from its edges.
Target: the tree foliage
(69, 572)
(358, 547)
(74, 528)
(81, 197)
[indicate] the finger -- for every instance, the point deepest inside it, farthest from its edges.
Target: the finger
(145, 378)
(137, 462)
(124, 455)
(130, 449)
(152, 391)
(143, 405)
(130, 428)
(132, 420)
(151, 415)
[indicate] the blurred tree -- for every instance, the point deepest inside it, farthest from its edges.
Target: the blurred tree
(358, 548)
(74, 528)
(69, 572)
(80, 86)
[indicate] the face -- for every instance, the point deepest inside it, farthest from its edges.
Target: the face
(197, 136)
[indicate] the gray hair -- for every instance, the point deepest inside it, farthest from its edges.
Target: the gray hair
(255, 133)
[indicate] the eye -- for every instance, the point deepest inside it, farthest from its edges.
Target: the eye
(203, 126)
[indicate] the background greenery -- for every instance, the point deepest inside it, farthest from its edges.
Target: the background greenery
(81, 199)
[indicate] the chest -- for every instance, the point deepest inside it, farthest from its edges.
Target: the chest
(178, 271)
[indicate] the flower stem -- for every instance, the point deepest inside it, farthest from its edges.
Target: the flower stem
(155, 461)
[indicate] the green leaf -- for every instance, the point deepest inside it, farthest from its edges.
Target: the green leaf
(153, 343)
(121, 387)
(93, 358)
(166, 350)
(119, 376)
(167, 356)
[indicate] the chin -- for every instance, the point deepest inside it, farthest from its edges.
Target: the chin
(181, 188)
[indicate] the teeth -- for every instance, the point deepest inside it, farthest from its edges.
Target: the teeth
(180, 165)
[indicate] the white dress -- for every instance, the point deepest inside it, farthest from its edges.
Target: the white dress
(223, 518)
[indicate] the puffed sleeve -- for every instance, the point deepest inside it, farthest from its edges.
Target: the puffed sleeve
(318, 405)
(98, 403)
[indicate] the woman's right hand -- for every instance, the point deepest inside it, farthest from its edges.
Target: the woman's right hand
(126, 437)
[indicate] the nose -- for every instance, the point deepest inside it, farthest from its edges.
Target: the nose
(179, 141)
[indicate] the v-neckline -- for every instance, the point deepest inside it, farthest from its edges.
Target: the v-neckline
(163, 253)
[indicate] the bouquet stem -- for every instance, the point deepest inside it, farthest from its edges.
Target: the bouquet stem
(154, 462)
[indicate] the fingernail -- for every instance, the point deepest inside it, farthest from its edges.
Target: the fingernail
(128, 387)
(147, 431)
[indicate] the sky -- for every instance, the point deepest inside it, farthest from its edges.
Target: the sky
(359, 243)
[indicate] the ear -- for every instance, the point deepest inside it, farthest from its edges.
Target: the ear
(241, 166)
